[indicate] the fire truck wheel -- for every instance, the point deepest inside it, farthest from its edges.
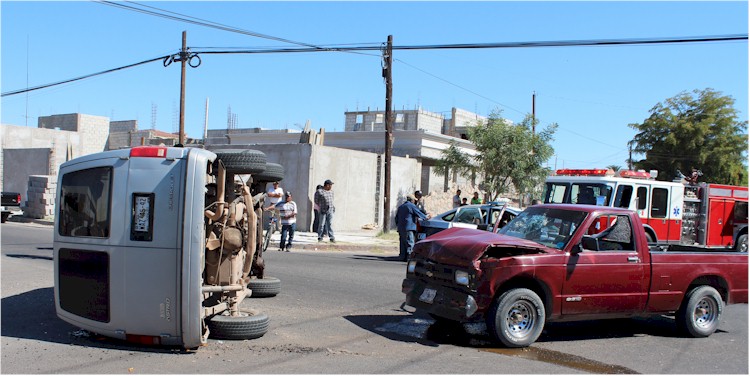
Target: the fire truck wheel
(239, 161)
(249, 325)
(516, 318)
(265, 287)
(700, 312)
(741, 243)
(273, 172)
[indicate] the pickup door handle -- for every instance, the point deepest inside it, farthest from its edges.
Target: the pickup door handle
(633, 259)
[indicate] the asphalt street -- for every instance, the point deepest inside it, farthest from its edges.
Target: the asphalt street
(340, 312)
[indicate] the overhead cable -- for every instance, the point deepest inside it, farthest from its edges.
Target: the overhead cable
(20, 91)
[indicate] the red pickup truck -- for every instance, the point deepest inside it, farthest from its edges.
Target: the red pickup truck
(564, 263)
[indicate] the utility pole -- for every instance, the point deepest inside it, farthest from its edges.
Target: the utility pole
(533, 112)
(388, 75)
(183, 62)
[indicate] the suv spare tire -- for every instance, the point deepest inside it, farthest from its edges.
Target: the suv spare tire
(273, 172)
(242, 161)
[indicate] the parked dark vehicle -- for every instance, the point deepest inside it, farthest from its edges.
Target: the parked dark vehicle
(11, 205)
(563, 262)
(482, 217)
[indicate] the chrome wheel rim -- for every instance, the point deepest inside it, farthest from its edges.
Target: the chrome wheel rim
(705, 313)
(520, 319)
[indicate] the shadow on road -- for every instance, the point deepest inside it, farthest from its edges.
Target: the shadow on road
(377, 258)
(32, 257)
(428, 332)
(31, 315)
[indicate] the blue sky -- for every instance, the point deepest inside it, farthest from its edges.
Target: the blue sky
(592, 93)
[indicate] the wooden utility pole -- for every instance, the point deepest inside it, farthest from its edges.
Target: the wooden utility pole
(183, 61)
(388, 75)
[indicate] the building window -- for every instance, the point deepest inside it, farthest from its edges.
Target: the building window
(359, 119)
(399, 118)
(378, 118)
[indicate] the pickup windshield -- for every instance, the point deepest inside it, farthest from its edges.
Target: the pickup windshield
(549, 227)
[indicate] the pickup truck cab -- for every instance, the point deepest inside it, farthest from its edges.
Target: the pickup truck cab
(563, 262)
(10, 205)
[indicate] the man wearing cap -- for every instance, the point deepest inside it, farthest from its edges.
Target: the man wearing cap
(324, 200)
(288, 214)
(406, 223)
(419, 201)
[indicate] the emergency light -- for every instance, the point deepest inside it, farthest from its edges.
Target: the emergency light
(584, 172)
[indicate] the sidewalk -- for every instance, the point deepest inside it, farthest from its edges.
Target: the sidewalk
(358, 241)
(346, 241)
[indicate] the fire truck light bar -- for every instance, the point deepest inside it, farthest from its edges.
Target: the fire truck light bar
(635, 174)
(149, 152)
(578, 172)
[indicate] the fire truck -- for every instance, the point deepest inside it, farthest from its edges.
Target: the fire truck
(676, 212)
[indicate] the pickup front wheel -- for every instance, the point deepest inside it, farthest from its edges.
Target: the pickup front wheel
(516, 318)
(700, 312)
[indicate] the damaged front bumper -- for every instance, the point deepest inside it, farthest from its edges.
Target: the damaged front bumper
(450, 303)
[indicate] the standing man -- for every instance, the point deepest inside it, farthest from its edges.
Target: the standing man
(316, 208)
(274, 195)
(324, 199)
(457, 199)
(419, 202)
(288, 214)
(406, 223)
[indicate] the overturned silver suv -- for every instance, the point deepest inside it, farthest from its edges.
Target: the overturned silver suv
(157, 245)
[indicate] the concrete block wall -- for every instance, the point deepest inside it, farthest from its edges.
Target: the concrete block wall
(41, 196)
(94, 129)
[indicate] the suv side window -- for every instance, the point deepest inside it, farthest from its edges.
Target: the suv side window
(85, 203)
(469, 215)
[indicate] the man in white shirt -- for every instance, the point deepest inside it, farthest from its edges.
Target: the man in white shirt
(274, 195)
(288, 213)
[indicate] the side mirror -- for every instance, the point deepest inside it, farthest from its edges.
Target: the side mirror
(590, 243)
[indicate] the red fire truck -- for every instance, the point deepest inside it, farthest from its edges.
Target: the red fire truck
(677, 212)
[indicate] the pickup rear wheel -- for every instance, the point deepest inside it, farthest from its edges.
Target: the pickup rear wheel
(248, 325)
(516, 318)
(700, 312)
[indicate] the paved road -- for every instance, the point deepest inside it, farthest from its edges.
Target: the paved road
(340, 312)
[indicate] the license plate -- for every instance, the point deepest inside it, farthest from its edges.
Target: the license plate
(142, 214)
(428, 295)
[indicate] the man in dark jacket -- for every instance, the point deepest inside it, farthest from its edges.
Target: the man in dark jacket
(406, 222)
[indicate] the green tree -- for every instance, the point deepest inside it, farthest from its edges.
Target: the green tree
(694, 130)
(614, 167)
(453, 160)
(511, 155)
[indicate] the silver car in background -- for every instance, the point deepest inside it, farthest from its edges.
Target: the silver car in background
(482, 216)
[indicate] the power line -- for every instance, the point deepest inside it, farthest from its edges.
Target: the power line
(20, 91)
(570, 43)
(201, 22)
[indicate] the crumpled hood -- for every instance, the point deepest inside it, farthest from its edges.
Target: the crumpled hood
(463, 246)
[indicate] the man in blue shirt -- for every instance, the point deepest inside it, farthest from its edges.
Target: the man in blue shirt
(406, 222)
